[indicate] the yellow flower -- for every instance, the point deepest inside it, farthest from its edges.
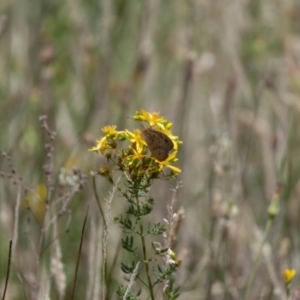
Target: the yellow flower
(104, 170)
(136, 138)
(151, 118)
(288, 275)
(107, 142)
(110, 131)
(167, 163)
(135, 156)
(101, 145)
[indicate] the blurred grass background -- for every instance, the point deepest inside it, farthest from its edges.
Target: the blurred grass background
(226, 73)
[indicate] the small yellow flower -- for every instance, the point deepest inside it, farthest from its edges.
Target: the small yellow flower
(100, 145)
(136, 138)
(135, 156)
(288, 275)
(167, 163)
(151, 118)
(110, 131)
(106, 172)
(103, 145)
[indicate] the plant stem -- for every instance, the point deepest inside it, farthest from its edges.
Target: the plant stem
(257, 260)
(146, 262)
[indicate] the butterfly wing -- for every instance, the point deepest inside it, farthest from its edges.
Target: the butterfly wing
(166, 141)
(158, 143)
(160, 153)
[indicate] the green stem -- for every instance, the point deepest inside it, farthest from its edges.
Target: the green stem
(145, 250)
(257, 260)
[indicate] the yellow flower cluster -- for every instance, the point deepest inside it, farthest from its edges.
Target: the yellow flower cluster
(133, 158)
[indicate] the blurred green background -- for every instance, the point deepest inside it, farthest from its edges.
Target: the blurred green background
(226, 73)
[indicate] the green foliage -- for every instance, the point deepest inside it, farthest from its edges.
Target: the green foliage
(156, 229)
(133, 222)
(172, 291)
(124, 223)
(128, 269)
(129, 296)
(164, 273)
(127, 244)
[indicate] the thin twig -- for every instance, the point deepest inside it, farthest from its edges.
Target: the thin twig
(16, 223)
(8, 269)
(132, 279)
(97, 198)
(79, 252)
(114, 263)
(105, 234)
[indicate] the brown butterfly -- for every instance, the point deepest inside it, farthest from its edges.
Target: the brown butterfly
(158, 143)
